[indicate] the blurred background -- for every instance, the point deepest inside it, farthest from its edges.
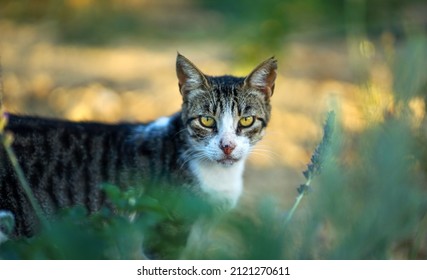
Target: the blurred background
(112, 60)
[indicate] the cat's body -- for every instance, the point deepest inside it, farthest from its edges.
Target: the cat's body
(201, 149)
(65, 162)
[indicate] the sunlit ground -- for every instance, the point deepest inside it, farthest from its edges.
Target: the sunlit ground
(136, 82)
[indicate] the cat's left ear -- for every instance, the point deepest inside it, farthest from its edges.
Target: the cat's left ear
(263, 77)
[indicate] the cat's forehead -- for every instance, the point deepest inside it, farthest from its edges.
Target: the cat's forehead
(225, 86)
(225, 81)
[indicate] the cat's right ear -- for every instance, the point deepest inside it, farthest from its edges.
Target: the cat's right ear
(189, 76)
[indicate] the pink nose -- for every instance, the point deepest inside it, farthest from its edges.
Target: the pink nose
(227, 148)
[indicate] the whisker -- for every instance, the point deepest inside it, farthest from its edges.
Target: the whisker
(264, 149)
(192, 155)
(265, 155)
(180, 131)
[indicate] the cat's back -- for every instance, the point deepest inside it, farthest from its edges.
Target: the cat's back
(50, 147)
(64, 162)
(24, 125)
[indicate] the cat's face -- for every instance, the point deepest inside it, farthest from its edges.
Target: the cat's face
(225, 116)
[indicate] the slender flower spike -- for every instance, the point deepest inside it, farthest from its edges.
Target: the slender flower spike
(303, 188)
(318, 157)
(315, 166)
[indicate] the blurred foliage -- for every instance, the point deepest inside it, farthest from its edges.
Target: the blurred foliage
(91, 22)
(253, 27)
(117, 231)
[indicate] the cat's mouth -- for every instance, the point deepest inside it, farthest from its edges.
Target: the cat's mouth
(228, 161)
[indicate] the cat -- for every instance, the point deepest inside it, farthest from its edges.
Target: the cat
(201, 149)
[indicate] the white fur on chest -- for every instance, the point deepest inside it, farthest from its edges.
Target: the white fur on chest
(222, 184)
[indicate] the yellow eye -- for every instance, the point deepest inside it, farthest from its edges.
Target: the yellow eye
(247, 121)
(206, 121)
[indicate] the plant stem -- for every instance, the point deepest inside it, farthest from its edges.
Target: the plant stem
(22, 180)
(296, 203)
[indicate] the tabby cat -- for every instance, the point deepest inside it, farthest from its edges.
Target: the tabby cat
(201, 149)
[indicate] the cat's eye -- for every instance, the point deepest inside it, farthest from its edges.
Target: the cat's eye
(247, 121)
(207, 121)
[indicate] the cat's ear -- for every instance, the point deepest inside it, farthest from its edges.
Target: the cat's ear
(189, 76)
(263, 77)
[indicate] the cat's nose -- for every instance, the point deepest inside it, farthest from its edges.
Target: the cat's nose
(227, 148)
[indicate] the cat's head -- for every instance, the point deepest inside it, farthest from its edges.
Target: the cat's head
(225, 116)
